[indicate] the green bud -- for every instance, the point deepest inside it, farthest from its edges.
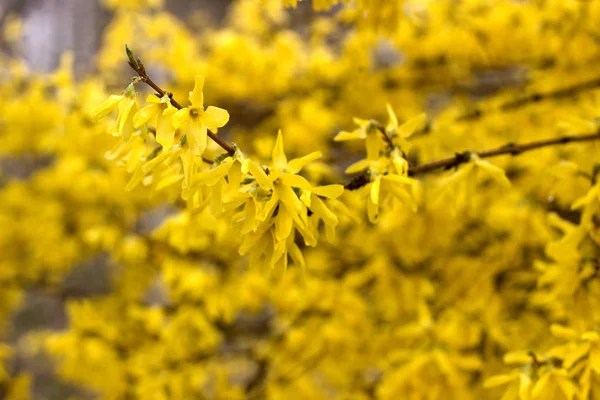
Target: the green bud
(131, 57)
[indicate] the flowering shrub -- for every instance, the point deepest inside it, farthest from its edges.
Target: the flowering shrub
(393, 199)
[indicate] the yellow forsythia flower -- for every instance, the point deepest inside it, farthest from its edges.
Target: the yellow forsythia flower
(194, 120)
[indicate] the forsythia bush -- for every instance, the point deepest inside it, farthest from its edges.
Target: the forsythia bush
(458, 258)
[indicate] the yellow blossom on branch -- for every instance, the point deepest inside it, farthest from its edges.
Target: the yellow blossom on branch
(194, 120)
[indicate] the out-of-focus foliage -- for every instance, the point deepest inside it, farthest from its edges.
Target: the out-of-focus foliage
(473, 283)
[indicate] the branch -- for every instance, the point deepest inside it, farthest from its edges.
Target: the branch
(386, 137)
(512, 149)
(446, 163)
(136, 64)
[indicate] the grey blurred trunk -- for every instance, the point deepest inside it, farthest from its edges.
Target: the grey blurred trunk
(54, 26)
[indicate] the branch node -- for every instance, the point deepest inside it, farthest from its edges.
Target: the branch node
(358, 181)
(512, 148)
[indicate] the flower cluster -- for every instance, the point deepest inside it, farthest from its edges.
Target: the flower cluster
(267, 203)
(386, 166)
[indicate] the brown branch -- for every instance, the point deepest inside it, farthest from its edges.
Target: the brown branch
(512, 149)
(384, 133)
(358, 181)
(136, 64)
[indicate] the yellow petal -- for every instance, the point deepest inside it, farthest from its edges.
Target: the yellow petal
(189, 166)
(197, 95)
(592, 336)
(153, 99)
(563, 332)
(393, 122)
(149, 165)
(305, 197)
(289, 198)
(269, 207)
(524, 385)
(165, 132)
(297, 164)
(252, 239)
(372, 212)
(107, 107)
(404, 196)
(179, 118)
(197, 138)
(295, 181)
(258, 173)
(136, 178)
(146, 114)
(215, 117)
(499, 380)
(234, 177)
(323, 212)
(355, 135)
(125, 107)
(137, 156)
(283, 224)
(357, 166)
(168, 181)
(590, 196)
(279, 261)
(400, 179)
(400, 163)
(329, 191)
(594, 359)
(278, 155)
(308, 236)
(361, 122)
(412, 125)
(543, 387)
(516, 357)
(274, 174)
(296, 254)
(216, 202)
(214, 175)
(374, 145)
(250, 218)
(496, 173)
(375, 189)
(570, 390)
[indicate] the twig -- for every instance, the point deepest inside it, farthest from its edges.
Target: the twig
(136, 64)
(208, 160)
(384, 133)
(510, 148)
(513, 149)
(358, 181)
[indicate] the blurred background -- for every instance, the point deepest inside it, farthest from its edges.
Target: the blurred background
(51, 27)
(54, 26)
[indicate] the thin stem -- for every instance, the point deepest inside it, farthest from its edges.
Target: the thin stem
(384, 133)
(510, 148)
(136, 64)
(208, 160)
